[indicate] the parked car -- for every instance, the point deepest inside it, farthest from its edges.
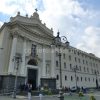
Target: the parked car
(73, 89)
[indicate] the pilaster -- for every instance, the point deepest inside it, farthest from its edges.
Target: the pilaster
(52, 61)
(23, 66)
(44, 64)
(13, 53)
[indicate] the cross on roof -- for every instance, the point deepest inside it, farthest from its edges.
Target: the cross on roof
(36, 9)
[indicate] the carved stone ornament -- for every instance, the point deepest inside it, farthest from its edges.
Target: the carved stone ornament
(15, 34)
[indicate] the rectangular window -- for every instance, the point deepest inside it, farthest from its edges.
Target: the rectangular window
(69, 57)
(74, 52)
(84, 69)
(47, 69)
(81, 79)
(56, 63)
(33, 50)
(85, 79)
(87, 69)
(57, 54)
(65, 77)
(75, 59)
(79, 60)
(71, 78)
(86, 63)
(64, 56)
(89, 79)
(64, 65)
(80, 68)
(83, 61)
(71, 66)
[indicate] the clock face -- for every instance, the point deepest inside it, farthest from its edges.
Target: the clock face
(63, 39)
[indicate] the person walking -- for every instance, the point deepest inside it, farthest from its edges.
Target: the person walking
(29, 86)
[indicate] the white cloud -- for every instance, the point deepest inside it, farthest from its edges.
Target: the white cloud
(56, 13)
(63, 15)
(66, 15)
(91, 40)
(1, 23)
(11, 7)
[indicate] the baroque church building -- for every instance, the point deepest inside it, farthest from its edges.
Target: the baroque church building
(26, 51)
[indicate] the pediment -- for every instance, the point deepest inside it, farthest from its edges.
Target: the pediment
(37, 30)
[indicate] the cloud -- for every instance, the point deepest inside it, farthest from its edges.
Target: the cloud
(69, 16)
(65, 15)
(11, 7)
(90, 41)
(1, 23)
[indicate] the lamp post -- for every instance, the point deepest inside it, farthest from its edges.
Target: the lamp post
(17, 60)
(96, 79)
(58, 42)
(75, 69)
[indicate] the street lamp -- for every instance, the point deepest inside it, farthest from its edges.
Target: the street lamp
(58, 42)
(17, 60)
(96, 79)
(75, 69)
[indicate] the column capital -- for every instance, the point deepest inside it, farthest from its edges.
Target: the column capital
(14, 34)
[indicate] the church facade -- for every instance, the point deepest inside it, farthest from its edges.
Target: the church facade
(27, 52)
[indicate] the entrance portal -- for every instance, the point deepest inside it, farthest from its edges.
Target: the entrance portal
(32, 77)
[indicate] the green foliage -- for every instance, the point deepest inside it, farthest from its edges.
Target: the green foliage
(47, 91)
(92, 98)
(81, 94)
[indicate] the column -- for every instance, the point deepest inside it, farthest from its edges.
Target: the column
(23, 67)
(44, 64)
(12, 55)
(53, 61)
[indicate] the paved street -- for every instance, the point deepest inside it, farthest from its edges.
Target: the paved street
(25, 98)
(67, 97)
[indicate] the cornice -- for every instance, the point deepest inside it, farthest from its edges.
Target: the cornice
(85, 53)
(39, 25)
(31, 32)
(36, 33)
(33, 38)
(2, 27)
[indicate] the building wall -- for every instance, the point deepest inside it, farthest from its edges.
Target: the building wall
(86, 65)
(32, 31)
(5, 52)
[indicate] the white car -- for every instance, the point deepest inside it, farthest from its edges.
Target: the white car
(73, 89)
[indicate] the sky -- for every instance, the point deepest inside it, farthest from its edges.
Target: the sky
(78, 20)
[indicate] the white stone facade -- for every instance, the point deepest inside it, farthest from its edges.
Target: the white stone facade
(17, 37)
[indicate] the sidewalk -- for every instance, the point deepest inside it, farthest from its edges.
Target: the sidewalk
(54, 97)
(25, 98)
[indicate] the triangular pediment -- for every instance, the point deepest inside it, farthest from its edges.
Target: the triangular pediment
(37, 30)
